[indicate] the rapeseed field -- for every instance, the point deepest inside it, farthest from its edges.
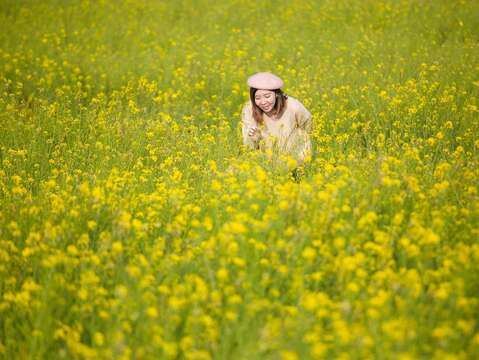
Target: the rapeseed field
(135, 225)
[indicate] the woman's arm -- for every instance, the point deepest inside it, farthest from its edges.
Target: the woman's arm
(248, 123)
(304, 128)
(304, 118)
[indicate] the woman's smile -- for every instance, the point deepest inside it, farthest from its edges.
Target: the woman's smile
(265, 99)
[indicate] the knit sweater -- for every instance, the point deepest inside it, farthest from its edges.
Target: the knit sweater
(288, 134)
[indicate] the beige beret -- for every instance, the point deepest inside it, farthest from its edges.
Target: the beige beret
(265, 81)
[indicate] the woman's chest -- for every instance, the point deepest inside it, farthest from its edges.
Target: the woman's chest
(279, 127)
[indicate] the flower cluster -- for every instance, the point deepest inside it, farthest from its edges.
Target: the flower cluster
(135, 225)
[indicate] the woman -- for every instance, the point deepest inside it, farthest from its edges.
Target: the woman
(272, 120)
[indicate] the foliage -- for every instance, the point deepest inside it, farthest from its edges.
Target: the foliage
(133, 224)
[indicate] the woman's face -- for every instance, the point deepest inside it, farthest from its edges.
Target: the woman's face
(265, 99)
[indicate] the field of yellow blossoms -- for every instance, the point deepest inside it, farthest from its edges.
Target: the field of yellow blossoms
(135, 225)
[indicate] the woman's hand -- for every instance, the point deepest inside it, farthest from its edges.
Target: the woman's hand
(254, 132)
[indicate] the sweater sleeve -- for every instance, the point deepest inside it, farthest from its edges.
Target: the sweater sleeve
(303, 131)
(247, 122)
(303, 118)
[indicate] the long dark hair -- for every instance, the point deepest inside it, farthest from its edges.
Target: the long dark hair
(279, 106)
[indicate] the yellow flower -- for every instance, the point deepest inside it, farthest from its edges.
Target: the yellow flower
(309, 253)
(222, 274)
(318, 350)
(288, 355)
(98, 339)
(152, 312)
(117, 247)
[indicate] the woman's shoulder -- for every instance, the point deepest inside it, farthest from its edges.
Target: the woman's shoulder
(294, 103)
(246, 106)
(297, 106)
(247, 111)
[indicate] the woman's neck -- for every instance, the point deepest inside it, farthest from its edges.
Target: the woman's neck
(271, 114)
